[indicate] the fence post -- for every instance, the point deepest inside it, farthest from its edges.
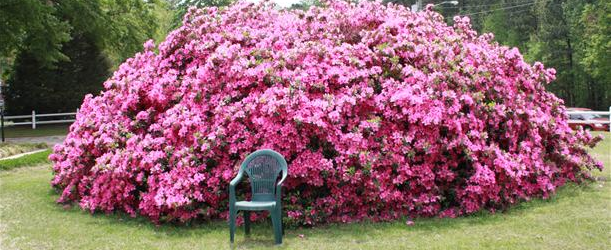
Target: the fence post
(2, 122)
(609, 118)
(33, 119)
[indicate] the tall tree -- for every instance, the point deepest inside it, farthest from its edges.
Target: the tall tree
(102, 33)
(595, 30)
(572, 36)
(33, 86)
(180, 8)
(32, 25)
(510, 26)
(130, 23)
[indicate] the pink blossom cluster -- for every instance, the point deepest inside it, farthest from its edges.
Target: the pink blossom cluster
(380, 112)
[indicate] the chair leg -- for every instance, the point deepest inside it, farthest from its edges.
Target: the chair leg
(232, 222)
(281, 222)
(246, 222)
(277, 224)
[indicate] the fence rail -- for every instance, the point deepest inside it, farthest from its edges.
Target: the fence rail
(33, 119)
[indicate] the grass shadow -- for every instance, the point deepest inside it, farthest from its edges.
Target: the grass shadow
(264, 228)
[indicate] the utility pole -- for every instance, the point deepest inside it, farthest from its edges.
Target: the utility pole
(1, 108)
(2, 122)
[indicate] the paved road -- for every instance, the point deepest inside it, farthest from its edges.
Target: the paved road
(49, 140)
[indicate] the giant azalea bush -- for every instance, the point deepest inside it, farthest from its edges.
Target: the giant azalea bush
(380, 112)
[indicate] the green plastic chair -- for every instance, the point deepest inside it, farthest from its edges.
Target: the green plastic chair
(263, 168)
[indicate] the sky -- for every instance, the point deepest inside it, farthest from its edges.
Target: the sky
(281, 3)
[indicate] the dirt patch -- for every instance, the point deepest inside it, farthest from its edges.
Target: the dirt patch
(10, 149)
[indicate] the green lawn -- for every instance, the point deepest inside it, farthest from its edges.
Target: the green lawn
(41, 130)
(578, 217)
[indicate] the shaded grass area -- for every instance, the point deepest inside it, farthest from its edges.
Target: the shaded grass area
(41, 130)
(577, 217)
(602, 152)
(8, 149)
(26, 160)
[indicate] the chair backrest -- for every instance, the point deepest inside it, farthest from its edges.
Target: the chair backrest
(263, 167)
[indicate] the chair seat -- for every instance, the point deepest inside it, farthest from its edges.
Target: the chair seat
(255, 205)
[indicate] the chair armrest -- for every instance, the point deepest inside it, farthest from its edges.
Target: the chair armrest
(236, 180)
(281, 181)
(232, 185)
(279, 187)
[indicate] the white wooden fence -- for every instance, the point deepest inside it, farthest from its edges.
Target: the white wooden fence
(34, 119)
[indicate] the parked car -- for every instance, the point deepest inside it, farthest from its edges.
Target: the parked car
(587, 117)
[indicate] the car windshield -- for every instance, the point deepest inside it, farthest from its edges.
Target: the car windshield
(590, 116)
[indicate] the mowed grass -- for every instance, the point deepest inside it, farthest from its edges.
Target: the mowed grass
(577, 217)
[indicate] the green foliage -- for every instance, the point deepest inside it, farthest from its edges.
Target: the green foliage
(596, 58)
(510, 28)
(97, 35)
(572, 36)
(566, 40)
(42, 27)
(129, 23)
(32, 86)
(32, 25)
(180, 8)
(557, 47)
